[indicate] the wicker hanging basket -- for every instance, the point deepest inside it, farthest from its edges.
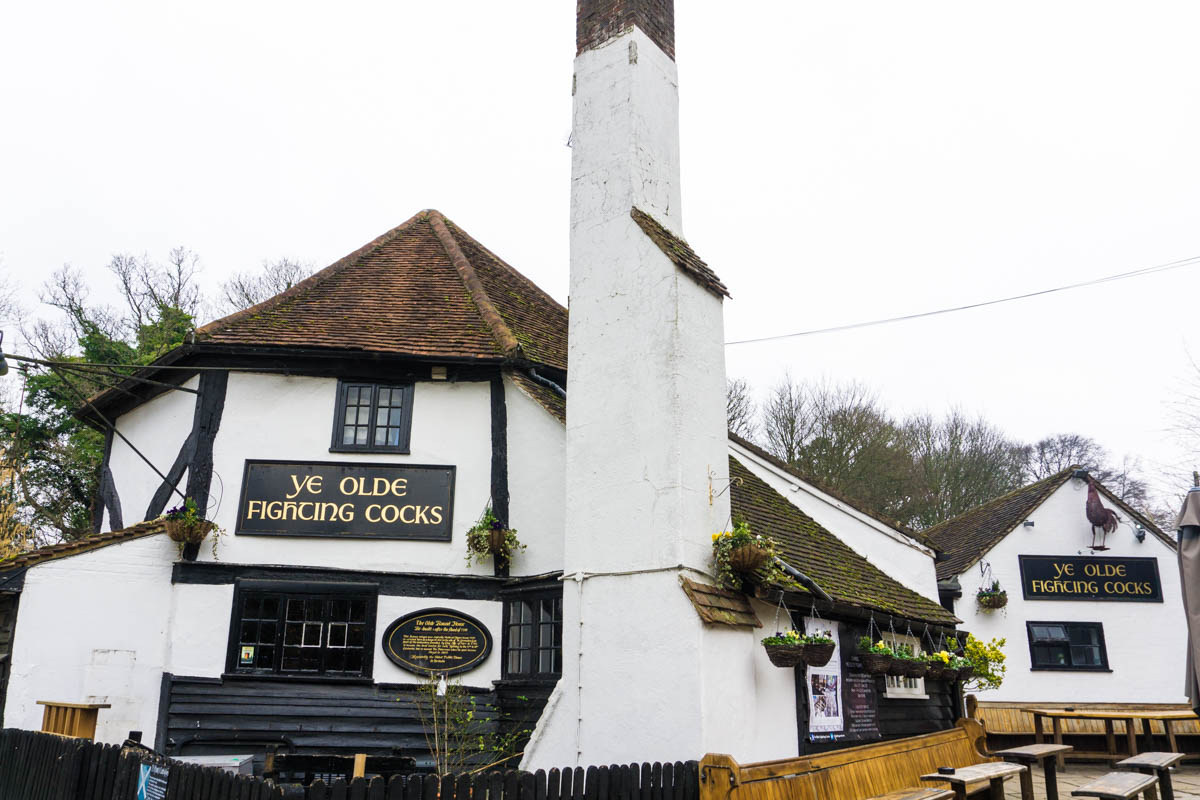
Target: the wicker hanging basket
(993, 599)
(914, 668)
(963, 673)
(187, 531)
(497, 545)
(818, 655)
(785, 655)
(876, 663)
(937, 670)
(896, 668)
(747, 558)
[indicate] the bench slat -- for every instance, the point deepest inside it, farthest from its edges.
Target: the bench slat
(916, 794)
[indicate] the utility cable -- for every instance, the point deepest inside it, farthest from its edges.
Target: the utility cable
(1137, 273)
(113, 428)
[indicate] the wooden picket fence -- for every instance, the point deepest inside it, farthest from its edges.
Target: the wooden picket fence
(41, 766)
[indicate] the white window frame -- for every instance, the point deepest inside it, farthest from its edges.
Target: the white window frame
(905, 688)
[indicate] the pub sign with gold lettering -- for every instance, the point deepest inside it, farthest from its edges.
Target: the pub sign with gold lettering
(437, 641)
(1091, 578)
(322, 498)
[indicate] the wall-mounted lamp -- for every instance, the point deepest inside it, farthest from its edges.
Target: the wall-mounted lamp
(1140, 534)
(1028, 523)
(1081, 474)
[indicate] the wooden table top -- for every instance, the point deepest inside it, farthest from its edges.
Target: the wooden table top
(57, 704)
(978, 772)
(1085, 714)
(1117, 785)
(1034, 752)
(1153, 760)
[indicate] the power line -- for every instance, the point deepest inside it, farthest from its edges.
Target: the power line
(1137, 273)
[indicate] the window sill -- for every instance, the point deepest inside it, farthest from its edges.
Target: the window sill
(246, 676)
(889, 696)
(548, 680)
(367, 451)
(1070, 669)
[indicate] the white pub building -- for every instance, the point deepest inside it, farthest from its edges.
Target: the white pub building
(348, 432)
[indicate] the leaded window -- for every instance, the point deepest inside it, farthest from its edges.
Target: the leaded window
(1067, 645)
(533, 636)
(308, 633)
(372, 417)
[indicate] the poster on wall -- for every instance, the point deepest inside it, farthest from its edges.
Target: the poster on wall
(825, 712)
(862, 707)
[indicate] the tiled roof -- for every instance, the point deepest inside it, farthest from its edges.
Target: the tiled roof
(964, 539)
(718, 606)
(423, 289)
(680, 252)
(842, 573)
(798, 475)
(546, 397)
(77, 546)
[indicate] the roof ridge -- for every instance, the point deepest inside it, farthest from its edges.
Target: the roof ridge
(487, 309)
(318, 277)
(1044, 483)
(515, 272)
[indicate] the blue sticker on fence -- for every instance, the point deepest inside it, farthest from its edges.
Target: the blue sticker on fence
(152, 782)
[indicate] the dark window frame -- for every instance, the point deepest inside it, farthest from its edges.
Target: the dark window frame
(1072, 667)
(368, 592)
(536, 597)
(336, 445)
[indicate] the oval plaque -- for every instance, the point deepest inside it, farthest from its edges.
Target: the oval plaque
(437, 640)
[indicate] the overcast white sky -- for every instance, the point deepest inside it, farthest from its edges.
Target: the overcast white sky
(841, 162)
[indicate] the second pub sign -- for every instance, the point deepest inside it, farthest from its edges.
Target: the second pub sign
(321, 498)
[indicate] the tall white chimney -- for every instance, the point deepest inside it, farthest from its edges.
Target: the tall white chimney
(647, 470)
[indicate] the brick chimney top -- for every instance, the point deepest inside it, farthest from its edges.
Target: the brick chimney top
(597, 21)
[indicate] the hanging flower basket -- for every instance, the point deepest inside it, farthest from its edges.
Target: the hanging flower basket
(897, 668)
(818, 655)
(747, 558)
(188, 531)
(937, 669)
(915, 668)
(785, 649)
(992, 599)
(876, 663)
(497, 544)
(489, 537)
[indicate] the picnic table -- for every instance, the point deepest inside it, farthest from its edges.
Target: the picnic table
(994, 772)
(1134, 721)
(1045, 754)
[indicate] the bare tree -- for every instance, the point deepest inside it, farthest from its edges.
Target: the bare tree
(739, 408)
(1053, 454)
(960, 463)
(788, 419)
(247, 289)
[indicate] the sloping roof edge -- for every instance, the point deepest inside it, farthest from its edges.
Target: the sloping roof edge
(782, 465)
(680, 253)
(87, 544)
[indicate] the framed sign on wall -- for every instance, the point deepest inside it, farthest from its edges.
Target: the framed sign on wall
(437, 641)
(1131, 580)
(355, 500)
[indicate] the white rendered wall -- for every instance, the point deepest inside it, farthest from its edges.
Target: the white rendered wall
(898, 556)
(92, 628)
(1145, 641)
(291, 418)
(199, 631)
(536, 483)
(158, 429)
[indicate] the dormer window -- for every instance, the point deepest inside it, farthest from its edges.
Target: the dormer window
(372, 417)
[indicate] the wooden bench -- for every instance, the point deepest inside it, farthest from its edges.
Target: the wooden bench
(1158, 765)
(890, 770)
(77, 720)
(1119, 786)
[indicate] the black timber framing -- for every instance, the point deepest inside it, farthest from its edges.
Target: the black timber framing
(393, 584)
(196, 454)
(107, 497)
(499, 462)
(312, 362)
